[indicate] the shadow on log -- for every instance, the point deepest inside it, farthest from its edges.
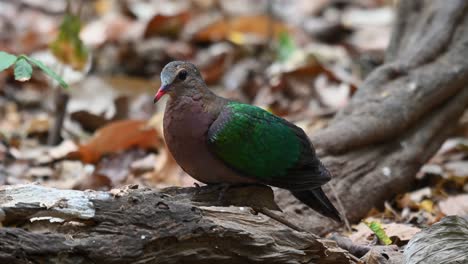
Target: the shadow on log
(173, 225)
(399, 117)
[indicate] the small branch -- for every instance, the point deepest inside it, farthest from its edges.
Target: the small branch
(278, 218)
(346, 243)
(61, 101)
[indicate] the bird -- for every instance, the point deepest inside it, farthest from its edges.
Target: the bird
(221, 141)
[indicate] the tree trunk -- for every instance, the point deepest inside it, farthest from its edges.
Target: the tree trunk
(174, 225)
(399, 117)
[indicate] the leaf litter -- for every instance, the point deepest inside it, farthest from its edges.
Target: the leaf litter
(304, 67)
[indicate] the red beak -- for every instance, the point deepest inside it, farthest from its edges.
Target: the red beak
(162, 91)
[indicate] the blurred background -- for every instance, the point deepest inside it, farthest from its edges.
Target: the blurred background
(301, 59)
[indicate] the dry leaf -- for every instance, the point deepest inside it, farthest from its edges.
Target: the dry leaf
(413, 199)
(162, 25)
(457, 168)
(383, 255)
(455, 205)
(242, 30)
(38, 127)
(117, 167)
(212, 62)
(403, 232)
(427, 205)
(118, 136)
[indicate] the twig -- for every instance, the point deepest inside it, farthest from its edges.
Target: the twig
(61, 102)
(341, 207)
(278, 218)
(60, 109)
(347, 244)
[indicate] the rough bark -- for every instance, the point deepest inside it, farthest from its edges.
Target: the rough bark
(174, 225)
(401, 114)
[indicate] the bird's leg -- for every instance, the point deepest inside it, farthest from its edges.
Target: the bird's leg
(223, 187)
(198, 188)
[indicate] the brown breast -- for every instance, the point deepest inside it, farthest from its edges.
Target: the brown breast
(186, 122)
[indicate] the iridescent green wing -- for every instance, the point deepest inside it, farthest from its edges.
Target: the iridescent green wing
(266, 147)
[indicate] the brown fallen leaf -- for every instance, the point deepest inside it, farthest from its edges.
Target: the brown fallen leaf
(403, 232)
(414, 199)
(300, 64)
(89, 121)
(383, 254)
(213, 62)
(166, 25)
(242, 30)
(117, 167)
(118, 136)
(38, 128)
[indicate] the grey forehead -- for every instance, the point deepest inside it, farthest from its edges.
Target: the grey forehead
(168, 72)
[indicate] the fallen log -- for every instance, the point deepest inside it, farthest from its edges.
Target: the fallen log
(172, 225)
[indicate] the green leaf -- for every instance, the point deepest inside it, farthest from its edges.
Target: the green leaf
(68, 47)
(6, 60)
(442, 243)
(48, 71)
(286, 46)
(379, 232)
(23, 70)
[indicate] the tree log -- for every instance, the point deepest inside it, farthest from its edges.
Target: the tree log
(173, 225)
(400, 115)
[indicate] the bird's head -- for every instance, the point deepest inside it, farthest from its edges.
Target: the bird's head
(179, 78)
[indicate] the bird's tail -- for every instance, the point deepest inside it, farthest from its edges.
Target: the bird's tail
(318, 200)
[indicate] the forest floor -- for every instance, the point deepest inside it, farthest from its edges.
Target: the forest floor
(302, 61)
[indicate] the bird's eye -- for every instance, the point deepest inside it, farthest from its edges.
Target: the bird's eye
(182, 75)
